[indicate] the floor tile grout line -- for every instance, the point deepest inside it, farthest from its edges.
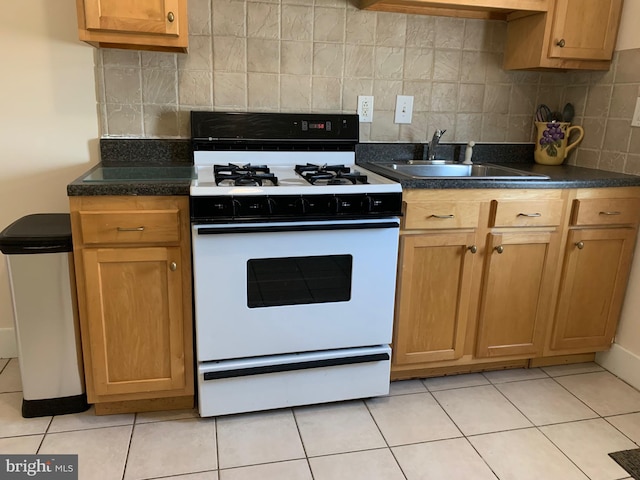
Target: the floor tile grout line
(215, 436)
(386, 442)
(578, 398)
(563, 452)
(482, 458)
(533, 425)
(126, 458)
(304, 448)
(621, 432)
(447, 414)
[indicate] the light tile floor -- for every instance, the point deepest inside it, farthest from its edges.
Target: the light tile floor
(542, 423)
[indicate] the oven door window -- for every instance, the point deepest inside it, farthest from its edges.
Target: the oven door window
(298, 280)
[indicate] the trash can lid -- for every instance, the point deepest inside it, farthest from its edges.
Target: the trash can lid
(38, 233)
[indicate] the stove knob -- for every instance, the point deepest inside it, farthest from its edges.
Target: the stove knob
(272, 206)
(372, 204)
(301, 205)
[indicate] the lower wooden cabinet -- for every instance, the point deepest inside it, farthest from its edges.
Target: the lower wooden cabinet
(133, 271)
(595, 270)
(434, 282)
(520, 275)
(515, 296)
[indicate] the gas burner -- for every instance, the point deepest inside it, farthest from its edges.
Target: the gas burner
(243, 175)
(247, 167)
(329, 174)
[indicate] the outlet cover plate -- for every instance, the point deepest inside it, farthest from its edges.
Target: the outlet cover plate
(636, 114)
(365, 108)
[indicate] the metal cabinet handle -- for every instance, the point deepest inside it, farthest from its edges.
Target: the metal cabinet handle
(173, 266)
(561, 43)
(442, 216)
(171, 17)
(499, 249)
(472, 248)
(130, 229)
(609, 213)
(529, 215)
(580, 245)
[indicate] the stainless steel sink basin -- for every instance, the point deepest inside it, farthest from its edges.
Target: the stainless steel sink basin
(487, 171)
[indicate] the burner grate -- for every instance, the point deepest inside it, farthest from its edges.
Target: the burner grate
(244, 175)
(330, 174)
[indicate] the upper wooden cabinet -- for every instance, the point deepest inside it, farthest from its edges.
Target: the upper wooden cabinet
(483, 9)
(573, 34)
(144, 24)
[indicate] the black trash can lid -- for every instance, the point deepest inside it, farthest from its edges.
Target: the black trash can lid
(38, 233)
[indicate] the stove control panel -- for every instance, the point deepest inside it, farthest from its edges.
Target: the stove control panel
(228, 208)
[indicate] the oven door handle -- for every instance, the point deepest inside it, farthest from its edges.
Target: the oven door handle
(297, 228)
(293, 366)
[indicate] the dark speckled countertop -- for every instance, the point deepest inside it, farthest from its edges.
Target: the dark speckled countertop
(165, 167)
(138, 167)
(519, 156)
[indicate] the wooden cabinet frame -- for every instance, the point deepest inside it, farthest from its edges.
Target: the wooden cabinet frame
(588, 36)
(133, 272)
(431, 322)
(160, 25)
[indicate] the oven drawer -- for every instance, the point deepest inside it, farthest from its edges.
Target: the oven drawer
(148, 226)
(230, 386)
(605, 211)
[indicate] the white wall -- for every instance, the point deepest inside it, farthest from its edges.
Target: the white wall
(629, 35)
(49, 133)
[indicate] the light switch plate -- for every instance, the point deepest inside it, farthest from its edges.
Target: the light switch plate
(636, 114)
(404, 108)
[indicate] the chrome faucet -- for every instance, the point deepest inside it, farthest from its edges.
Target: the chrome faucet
(435, 141)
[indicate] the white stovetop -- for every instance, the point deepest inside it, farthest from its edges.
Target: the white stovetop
(281, 165)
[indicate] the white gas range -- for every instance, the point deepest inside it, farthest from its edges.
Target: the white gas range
(294, 260)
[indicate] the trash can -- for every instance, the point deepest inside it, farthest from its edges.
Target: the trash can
(39, 256)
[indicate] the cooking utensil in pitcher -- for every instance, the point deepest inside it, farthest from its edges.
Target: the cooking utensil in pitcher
(568, 112)
(543, 113)
(555, 117)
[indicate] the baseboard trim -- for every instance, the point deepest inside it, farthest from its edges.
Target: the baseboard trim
(8, 346)
(622, 363)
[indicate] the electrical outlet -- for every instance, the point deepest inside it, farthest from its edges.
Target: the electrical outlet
(404, 108)
(636, 114)
(365, 108)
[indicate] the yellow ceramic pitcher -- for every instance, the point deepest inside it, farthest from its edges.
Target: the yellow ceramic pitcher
(552, 142)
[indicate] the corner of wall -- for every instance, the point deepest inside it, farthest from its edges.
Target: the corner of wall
(622, 363)
(8, 346)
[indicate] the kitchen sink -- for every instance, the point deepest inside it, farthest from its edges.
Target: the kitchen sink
(486, 171)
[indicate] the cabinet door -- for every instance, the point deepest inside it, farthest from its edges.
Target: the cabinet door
(433, 297)
(594, 278)
(585, 29)
(514, 299)
(140, 16)
(135, 319)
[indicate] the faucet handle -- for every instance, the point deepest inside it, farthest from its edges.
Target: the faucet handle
(437, 135)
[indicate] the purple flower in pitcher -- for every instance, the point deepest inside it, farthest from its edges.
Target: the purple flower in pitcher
(552, 138)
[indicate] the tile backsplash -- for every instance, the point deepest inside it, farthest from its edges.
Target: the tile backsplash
(319, 55)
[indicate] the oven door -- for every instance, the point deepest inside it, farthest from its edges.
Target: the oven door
(286, 287)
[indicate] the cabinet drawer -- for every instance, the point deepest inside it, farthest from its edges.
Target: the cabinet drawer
(605, 211)
(536, 213)
(441, 215)
(156, 226)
